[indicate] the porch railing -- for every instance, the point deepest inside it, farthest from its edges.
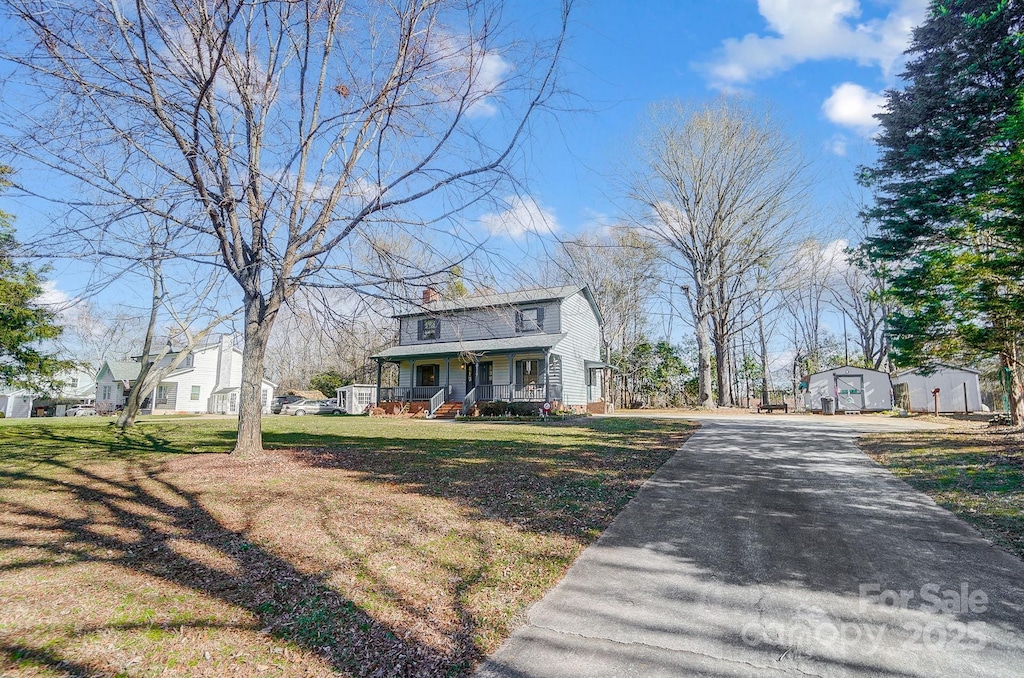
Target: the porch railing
(405, 394)
(517, 392)
(469, 401)
(437, 400)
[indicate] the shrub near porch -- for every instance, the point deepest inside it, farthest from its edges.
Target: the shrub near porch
(359, 545)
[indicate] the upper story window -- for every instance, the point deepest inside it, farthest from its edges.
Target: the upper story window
(428, 328)
(530, 320)
(188, 361)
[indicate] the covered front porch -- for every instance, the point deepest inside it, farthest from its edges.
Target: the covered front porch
(432, 378)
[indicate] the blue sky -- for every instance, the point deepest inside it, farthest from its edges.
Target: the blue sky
(820, 65)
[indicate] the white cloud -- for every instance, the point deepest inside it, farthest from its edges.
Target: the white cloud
(837, 145)
(822, 257)
(523, 215)
(808, 31)
(53, 297)
(853, 106)
(464, 70)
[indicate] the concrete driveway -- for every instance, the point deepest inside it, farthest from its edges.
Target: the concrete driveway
(773, 546)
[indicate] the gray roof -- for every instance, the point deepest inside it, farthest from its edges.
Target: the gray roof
(500, 299)
(935, 367)
(535, 341)
(123, 370)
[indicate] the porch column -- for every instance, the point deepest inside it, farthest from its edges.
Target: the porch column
(547, 378)
(447, 377)
(380, 374)
(412, 377)
(511, 376)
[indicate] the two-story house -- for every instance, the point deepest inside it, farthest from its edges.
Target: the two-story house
(539, 345)
(207, 380)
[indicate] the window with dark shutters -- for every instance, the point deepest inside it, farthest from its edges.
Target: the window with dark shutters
(428, 328)
(529, 320)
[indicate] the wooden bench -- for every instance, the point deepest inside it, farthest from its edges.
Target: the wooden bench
(771, 408)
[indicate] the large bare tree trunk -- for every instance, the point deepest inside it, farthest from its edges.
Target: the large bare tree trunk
(704, 395)
(132, 405)
(258, 323)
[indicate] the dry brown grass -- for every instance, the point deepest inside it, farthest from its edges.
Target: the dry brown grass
(360, 546)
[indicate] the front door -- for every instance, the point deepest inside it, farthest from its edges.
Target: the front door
(850, 392)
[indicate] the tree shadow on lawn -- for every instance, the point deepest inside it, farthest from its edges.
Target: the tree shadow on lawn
(975, 474)
(572, 485)
(139, 523)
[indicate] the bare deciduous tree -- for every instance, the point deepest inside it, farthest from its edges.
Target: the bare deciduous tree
(621, 270)
(719, 189)
(330, 330)
(859, 292)
(296, 141)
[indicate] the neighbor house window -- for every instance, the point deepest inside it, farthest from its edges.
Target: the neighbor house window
(73, 382)
(188, 361)
(529, 320)
(195, 393)
(429, 328)
(107, 392)
(161, 394)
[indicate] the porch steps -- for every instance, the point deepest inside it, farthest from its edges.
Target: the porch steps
(449, 410)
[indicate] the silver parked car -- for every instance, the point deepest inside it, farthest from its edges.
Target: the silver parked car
(80, 411)
(303, 407)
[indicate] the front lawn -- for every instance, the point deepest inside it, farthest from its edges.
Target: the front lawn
(977, 474)
(357, 545)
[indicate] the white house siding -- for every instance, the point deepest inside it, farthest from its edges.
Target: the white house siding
(483, 323)
(202, 374)
(582, 342)
(17, 405)
(105, 380)
(950, 381)
(877, 389)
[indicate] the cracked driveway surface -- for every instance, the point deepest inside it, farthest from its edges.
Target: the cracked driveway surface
(773, 546)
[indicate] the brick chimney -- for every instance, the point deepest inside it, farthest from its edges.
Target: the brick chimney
(430, 295)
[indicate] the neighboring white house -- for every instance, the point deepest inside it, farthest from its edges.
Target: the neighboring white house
(356, 398)
(853, 389)
(79, 388)
(539, 345)
(959, 388)
(15, 403)
(208, 380)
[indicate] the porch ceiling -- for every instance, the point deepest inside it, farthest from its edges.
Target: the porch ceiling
(538, 342)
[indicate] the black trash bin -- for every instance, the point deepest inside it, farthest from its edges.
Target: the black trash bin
(828, 405)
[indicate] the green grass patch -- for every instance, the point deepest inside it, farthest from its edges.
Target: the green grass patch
(976, 474)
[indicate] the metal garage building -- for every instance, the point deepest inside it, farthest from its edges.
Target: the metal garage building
(854, 389)
(959, 388)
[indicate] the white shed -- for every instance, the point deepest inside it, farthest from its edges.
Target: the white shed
(854, 389)
(15, 403)
(959, 388)
(355, 398)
